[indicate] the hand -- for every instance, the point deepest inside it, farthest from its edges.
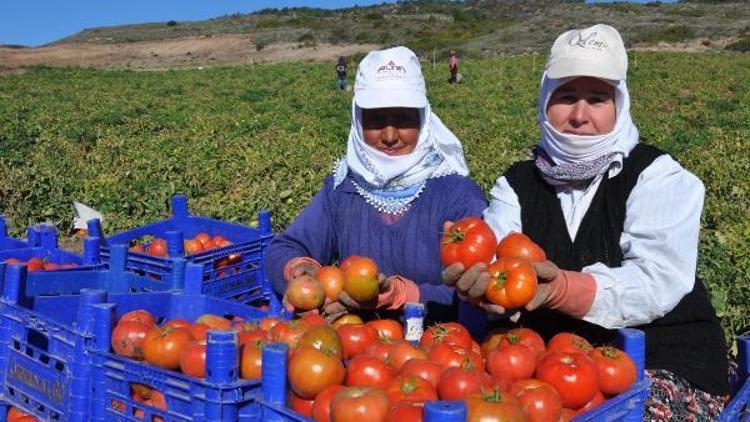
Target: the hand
(302, 269)
(470, 285)
(290, 308)
(345, 303)
(546, 271)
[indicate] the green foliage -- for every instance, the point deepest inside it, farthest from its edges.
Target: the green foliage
(241, 139)
(674, 33)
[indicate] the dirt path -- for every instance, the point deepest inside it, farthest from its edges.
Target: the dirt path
(168, 54)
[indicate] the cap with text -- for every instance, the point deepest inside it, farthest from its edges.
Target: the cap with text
(596, 51)
(390, 78)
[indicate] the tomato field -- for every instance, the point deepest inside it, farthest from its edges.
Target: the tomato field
(239, 139)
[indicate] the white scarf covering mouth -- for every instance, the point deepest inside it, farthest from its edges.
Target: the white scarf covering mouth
(574, 152)
(438, 153)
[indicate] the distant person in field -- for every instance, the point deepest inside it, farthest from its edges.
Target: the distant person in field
(341, 73)
(619, 221)
(453, 67)
(403, 175)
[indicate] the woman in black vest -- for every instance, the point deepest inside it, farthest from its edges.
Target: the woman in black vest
(619, 221)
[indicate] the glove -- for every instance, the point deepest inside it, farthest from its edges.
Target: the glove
(301, 265)
(397, 292)
(569, 292)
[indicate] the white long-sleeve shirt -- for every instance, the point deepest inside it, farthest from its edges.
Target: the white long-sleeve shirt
(659, 241)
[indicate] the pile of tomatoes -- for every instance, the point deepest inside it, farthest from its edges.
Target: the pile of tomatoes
(201, 242)
(39, 264)
(367, 371)
(18, 415)
(471, 241)
(357, 276)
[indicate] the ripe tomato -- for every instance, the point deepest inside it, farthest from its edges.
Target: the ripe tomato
(362, 404)
(251, 335)
(451, 356)
(406, 411)
(573, 375)
(513, 282)
(219, 241)
(347, 319)
(388, 328)
(323, 338)
(289, 332)
(568, 415)
(193, 360)
(451, 333)
(368, 371)
(251, 360)
(214, 322)
(361, 279)
(305, 293)
(313, 320)
(199, 331)
(514, 362)
(468, 242)
(301, 405)
(492, 340)
(332, 280)
(526, 337)
(128, 338)
(139, 315)
(410, 388)
(137, 248)
(15, 414)
(348, 262)
(310, 371)
(569, 343)
(175, 323)
(617, 372)
(34, 264)
(493, 405)
(596, 401)
(379, 349)
(356, 338)
(192, 246)
(321, 410)
(204, 239)
(401, 352)
(158, 247)
(539, 400)
(27, 418)
(519, 245)
(268, 322)
(163, 346)
(428, 370)
(457, 383)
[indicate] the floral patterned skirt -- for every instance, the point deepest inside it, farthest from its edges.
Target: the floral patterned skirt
(673, 398)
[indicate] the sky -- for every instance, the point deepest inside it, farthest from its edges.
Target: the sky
(38, 22)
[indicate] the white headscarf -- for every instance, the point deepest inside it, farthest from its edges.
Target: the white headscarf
(567, 149)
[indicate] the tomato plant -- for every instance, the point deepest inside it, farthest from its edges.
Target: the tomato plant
(513, 282)
(469, 241)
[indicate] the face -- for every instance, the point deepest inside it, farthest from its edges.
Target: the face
(392, 131)
(583, 106)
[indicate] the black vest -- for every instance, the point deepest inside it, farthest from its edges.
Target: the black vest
(687, 341)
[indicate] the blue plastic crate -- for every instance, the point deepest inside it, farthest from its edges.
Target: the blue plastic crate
(738, 409)
(55, 352)
(47, 250)
(242, 280)
(7, 242)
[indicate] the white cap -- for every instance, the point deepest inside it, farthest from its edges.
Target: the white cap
(390, 78)
(596, 51)
(82, 214)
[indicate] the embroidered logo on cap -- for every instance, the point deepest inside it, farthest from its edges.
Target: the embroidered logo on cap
(592, 41)
(390, 71)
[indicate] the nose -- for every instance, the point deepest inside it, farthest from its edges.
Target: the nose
(579, 114)
(389, 136)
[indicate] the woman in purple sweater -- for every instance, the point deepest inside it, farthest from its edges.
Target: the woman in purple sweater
(403, 176)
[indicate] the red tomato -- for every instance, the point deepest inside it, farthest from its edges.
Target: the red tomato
(410, 388)
(192, 246)
(569, 343)
(379, 349)
(34, 264)
(332, 280)
(368, 371)
(513, 282)
(361, 404)
(193, 360)
(49, 266)
(429, 371)
(617, 372)
(596, 401)
(288, 332)
(268, 322)
(514, 362)
(15, 415)
(158, 247)
(175, 323)
(568, 415)
(137, 248)
(310, 371)
(518, 245)
(204, 239)
(573, 375)
(539, 400)
(451, 333)
(251, 336)
(459, 382)
(492, 340)
(128, 338)
(321, 410)
(348, 262)
(305, 293)
(361, 279)
(347, 319)
(468, 242)
(406, 411)
(388, 328)
(13, 261)
(199, 331)
(453, 356)
(493, 405)
(301, 405)
(163, 346)
(138, 315)
(356, 338)
(220, 241)
(402, 351)
(323, 338)
(313, 320)
(526, 337)
(215, 322)
(251, 360)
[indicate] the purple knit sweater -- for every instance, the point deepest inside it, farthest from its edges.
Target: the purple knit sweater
(338, 223)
